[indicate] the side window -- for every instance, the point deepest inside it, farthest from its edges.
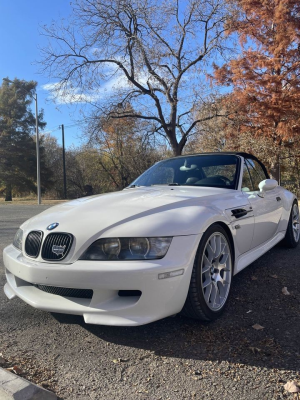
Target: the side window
(226, 171)
(246, 182)
(256, 172)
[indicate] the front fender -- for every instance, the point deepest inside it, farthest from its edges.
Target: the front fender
(288, 199)
(192, 220)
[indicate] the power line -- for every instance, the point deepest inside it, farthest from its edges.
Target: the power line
(77, 124)
(58, 127)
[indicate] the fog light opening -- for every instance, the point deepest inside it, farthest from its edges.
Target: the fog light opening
(171, 274)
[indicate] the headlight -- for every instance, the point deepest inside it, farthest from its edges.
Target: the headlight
(18, 239)
(128, 249)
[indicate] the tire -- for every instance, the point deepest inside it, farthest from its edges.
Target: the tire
(203, 301)
(292, 235)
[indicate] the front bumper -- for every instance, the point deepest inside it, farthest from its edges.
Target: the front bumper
(160, 297)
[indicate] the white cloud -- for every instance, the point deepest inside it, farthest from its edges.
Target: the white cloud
(71, 95)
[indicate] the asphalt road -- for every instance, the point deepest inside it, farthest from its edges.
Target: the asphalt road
(175, 358)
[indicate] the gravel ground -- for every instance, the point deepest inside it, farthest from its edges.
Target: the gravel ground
(175, 358)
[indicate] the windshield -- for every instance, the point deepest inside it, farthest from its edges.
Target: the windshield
(202, 170)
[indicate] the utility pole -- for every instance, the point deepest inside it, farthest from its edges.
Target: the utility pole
(64, 160)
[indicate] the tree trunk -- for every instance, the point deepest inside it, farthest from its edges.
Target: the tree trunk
(176, 148)
(8, 195)
(171, 135)
(275, 168)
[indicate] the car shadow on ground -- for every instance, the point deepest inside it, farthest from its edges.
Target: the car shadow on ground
(256, 298)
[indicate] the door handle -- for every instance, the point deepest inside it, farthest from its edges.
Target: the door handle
(278, 198)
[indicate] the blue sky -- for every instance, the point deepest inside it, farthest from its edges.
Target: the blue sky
(20, 43)
(19, 49)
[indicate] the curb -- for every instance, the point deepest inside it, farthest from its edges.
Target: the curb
(13, 387)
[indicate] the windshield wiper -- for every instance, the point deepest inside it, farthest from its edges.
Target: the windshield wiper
(132, 186)
(166, 184)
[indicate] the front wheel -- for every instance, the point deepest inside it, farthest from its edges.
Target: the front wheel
(292, 235)
(211, 276)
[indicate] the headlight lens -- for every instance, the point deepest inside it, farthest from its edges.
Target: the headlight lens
(128, 249)
(139, 246)
(111, 247)
(18, 239)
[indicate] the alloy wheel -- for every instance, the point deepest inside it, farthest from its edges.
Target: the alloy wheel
(216, 271)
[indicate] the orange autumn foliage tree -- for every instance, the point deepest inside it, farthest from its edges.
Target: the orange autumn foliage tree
(125, 149)
(266, 76)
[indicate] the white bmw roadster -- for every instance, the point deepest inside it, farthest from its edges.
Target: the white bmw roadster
(170, 242)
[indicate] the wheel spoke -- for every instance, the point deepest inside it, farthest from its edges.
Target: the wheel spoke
(210, 252)
(218, 246)
(214, 294)
(224, 245)
(218, 297)
(213, 245)
(224, 260)
(208, 293)
(222, 290)
(206, 283)
(206, 264)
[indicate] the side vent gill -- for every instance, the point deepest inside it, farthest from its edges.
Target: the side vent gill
(239, 212)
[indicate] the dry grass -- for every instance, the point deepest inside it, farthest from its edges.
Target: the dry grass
(30, 201)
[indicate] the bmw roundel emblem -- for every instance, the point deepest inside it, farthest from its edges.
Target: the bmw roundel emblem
(52, 226)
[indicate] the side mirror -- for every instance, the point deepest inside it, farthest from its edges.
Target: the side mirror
(267, 184)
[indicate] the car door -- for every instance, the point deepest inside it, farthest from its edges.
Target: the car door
(242, 222)
(267, 206)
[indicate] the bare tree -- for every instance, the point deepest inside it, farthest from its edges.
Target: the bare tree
(155, 54)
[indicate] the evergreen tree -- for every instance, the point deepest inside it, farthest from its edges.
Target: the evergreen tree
(17, 145)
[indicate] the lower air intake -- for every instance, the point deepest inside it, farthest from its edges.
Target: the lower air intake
(67, 292)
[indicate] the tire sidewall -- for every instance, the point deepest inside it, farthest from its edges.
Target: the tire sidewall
(290, 240)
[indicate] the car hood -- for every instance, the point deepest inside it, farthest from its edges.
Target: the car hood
(107, 210)
(142, 211)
